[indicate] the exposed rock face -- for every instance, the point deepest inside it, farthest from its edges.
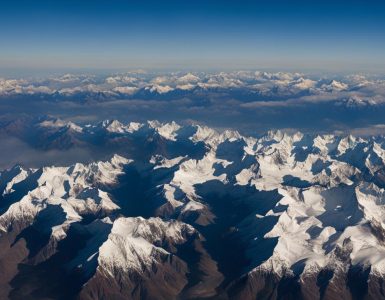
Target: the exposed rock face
(198, 215)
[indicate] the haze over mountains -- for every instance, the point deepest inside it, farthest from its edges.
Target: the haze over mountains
(262, 100)
(189, 212)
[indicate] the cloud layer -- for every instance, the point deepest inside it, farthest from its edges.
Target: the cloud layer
(245, 100)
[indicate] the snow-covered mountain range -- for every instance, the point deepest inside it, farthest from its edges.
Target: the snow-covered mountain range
(262, 100)
(249, 86)
(187, 212)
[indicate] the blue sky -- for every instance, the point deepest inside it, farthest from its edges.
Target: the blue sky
(295, 35)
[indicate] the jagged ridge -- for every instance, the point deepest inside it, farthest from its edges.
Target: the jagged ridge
(293, 207)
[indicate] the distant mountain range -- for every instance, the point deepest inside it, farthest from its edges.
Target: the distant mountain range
(187, 212)
(248, 101)
(247, 86)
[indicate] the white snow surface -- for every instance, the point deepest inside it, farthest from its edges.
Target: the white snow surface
(131, 243)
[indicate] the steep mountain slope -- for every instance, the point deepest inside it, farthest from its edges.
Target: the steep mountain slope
(186, 212)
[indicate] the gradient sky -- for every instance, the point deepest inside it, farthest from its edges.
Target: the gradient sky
(111, 34)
